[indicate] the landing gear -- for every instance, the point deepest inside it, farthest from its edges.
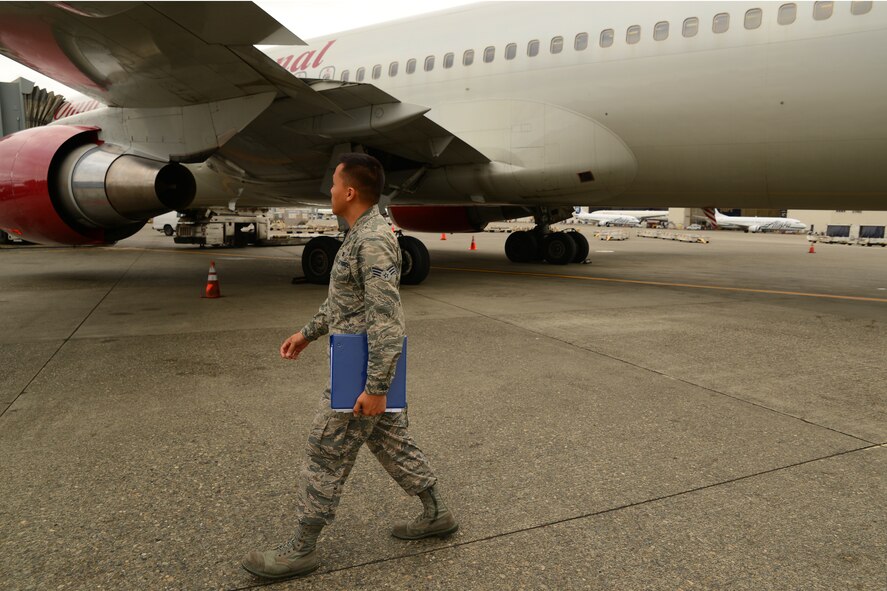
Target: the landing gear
(317, 259)
(522, 247)
(541, 244)
(582, 247)
(320, 252)
(558, 248)
(416, 260)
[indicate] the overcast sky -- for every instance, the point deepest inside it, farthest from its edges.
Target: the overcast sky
(305, 18)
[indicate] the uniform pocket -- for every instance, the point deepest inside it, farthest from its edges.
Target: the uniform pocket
(342, 270)
(328, 434)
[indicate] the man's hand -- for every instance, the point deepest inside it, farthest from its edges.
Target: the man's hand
(294, 345)
(369, 405)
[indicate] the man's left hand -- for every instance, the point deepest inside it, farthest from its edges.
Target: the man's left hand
(369, 405)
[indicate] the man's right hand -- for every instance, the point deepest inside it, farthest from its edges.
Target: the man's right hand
(294, 345)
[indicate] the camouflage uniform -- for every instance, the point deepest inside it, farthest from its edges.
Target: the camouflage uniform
(363, 297)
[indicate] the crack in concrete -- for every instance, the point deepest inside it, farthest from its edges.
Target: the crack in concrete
(569, 519)
(70, 336)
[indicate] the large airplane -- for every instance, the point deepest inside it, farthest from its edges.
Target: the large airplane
(759, 224)
(612, 217)
(481, 113)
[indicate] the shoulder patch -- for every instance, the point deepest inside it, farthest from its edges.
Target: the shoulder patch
(385, 274)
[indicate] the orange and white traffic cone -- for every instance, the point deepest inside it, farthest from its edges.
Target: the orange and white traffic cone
(812, 250)
(473, 245)
(443, 236)
(212, 282)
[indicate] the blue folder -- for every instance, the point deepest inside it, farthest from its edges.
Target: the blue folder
(348, 373)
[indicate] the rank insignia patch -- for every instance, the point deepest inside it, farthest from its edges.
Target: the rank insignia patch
(385, 274)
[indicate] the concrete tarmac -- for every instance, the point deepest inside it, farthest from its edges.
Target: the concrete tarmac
(671, 416)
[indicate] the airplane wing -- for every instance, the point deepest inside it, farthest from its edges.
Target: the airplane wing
(303, 138)
(130, 54)
(178, 54)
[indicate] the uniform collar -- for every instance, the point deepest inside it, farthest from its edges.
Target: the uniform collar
(365, 216)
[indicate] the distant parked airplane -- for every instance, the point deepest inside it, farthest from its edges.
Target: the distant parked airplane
(759, 224)
(612, 217)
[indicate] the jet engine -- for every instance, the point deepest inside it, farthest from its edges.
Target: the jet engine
(62, 185)
(451, 218)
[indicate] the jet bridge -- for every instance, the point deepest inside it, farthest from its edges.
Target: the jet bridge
(24, 105)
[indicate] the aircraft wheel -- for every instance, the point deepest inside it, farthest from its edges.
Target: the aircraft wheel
(317, 259)
(558, 248)
(416, 261)
(168, 230)
(582, 247)
(522, 247)
(4, 238)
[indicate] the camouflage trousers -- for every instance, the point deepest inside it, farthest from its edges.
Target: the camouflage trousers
(333, 444)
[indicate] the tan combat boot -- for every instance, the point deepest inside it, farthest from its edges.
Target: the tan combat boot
(435, 520)
(295, 558)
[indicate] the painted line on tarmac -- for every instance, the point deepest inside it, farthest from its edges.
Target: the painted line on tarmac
(667, 284)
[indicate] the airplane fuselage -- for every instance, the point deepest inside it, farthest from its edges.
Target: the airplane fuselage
(781, 115)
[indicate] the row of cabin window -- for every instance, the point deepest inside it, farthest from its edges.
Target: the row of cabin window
(720, 23)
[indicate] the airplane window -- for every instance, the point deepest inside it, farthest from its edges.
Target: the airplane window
(468, 57)
(860, 7)
(557, 44)
(753, 18)
(429, 63)
(720, 23)
(345, 75)
(489, 54)
(533, 48)
(377, 71)
(822, 10)
(511, 51)
(660, 31)
(787, 14)
(328, 73)
(606, 37)
(392, 69)
(581, 42)
(448, 60)
(360, 74)
(691, 27)
(411, 66)
(633, 34)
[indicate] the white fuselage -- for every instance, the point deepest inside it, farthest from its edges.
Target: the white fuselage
(760, 224)
(611, 217)
(779, 115)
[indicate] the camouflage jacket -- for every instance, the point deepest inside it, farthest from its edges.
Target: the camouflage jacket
(364, 297)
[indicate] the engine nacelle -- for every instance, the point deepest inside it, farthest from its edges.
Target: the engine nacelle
(61, 185)
(451, 218)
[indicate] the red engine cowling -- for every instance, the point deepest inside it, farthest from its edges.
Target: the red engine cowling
(61, 185)
(451, 218)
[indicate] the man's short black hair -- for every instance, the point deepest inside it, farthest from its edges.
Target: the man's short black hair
(364, 173)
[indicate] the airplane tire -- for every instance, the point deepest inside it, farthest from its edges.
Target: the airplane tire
(558, 248)
(168, 230)
(416, 262)
(582, 247)
(522, 247)
(4, 238)
(317, 259)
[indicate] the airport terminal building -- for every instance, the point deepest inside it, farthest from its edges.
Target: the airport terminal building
(846, 223)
